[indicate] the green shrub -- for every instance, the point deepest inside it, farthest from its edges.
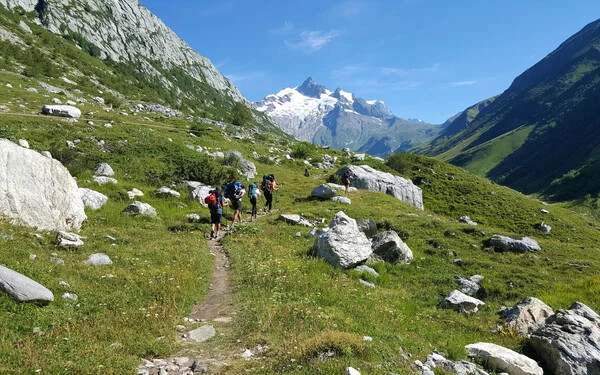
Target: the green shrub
(303, 150)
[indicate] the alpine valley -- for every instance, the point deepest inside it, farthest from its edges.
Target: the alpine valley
(311, 112)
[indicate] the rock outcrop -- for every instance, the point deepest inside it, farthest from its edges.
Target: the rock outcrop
(569, 343)
(22, 288)
(523, 245)
(68, 240)
(166, 192)
(295, 220)
(130, 33)
(389, 247)
(469, 286)
(139, 208)
(323, 192)
(37, 191)
(504, 359)
(343, 245)
(527, 315)
(247, 167)
(61, 111)
(367, 178)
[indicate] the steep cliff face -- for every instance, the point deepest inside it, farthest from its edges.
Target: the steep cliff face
(124, 30)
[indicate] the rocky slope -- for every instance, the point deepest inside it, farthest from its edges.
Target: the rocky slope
(541, 134)
(311, 112)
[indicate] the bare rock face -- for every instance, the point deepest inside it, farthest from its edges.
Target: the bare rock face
(526, 316)
(343, 245)
(62, 111)
(504, 359)
(570, 341)
(389, 247)
(367, 178)
(247, 167)
(37, 191)
(92, 198)
(126, 31)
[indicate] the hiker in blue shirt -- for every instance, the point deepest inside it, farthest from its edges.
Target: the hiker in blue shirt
(253, 193)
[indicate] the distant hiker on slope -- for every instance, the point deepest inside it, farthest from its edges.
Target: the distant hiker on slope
(346, 178)
(306, 172)
(215, 202)
(268, 187)
(253, 193)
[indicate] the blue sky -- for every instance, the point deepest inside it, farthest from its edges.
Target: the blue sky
(425, 59)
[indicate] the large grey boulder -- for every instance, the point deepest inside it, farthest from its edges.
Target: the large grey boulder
(62, 111)
(104, 169)
(523, 245)
(247, 167)
(37, 191)
(461, 302)
(367, 178)
(366, 226)
(98, 259)
(504, 359)
(139, 208)
(323, 192)
(569, 343)
(22, 288)
(388, 246)
(343, 200)
(295, 220)
(437, 360)
(343, 245)
(92, 198)
(527, 315)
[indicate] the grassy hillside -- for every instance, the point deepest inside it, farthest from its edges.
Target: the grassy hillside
(556, 100)
(298, 305)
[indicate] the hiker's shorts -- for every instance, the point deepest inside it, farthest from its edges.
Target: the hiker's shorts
(215, 218)
(237, 205)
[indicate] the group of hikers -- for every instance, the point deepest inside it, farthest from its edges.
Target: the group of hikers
(232, 194)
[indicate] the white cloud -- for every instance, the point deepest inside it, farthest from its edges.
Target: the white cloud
(311, 41)
(348, 8)
(463, 83)
(349, 70)
(242, 77)
(403, 71)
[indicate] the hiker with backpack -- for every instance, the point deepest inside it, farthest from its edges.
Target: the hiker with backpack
(268, 187)
(215, 202)
(235, 191)
(253, 193)
(346, 178)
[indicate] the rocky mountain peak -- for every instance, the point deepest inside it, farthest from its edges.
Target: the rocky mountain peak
(312, 89)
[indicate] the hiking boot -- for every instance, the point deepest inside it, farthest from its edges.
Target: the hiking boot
(217, 236)
(212, 234)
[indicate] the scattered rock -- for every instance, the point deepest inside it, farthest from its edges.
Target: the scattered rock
(199, 367)
(46, 154)
(133, 193)
(68, 240)
(523, 245)
(344, 200)
(167, 192)
(527, 315)
(366, 283)
(569, 342)
(62, 111)
(104, 180)
(466, 220)
(504, 359)
(461, 302)
(544, 227)
(104, 170)
(388, 246)
(316, 232)
(38, 331)
(37, 191)
(22, 288)
(23, 143)
(343, 245)
(351, 371)
(359, 157)
(544, 211)
(99, 259)
(367, 178)
(70, 296)
(437, 360)
(202, 334)
(247, 355)
(323, 192)
(295, 220)
(92, 198)
(56, 260)
(139, 208)
(469, 287)
(193, 218)
(56, 101)
(32, 90)
(367, 269)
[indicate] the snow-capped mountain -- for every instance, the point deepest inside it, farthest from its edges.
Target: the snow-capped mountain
(311, 112)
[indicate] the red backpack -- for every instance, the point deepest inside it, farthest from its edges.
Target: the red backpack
(211, 199)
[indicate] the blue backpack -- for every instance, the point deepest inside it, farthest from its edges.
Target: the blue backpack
(253, 190)
(232, 189)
